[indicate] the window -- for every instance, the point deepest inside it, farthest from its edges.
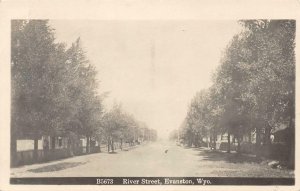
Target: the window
(224, 137)
(59, 141)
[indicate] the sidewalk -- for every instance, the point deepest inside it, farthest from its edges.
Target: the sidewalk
(235, 157)
(62, 164)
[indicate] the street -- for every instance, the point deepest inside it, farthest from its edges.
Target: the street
(164, 159)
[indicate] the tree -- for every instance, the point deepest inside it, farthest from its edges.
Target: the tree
(85, 102)
(35, 61)
(54, 90)
(254, 87)
(197, 118)
(113, 122)
(272, 43)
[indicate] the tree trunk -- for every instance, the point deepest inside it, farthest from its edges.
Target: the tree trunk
(258, 143)
(99, 142)
(13, 150)
(267, 137)
(239, 144)
(13, 144)
(53, 142)
(215, 141)
(207, 141)
(112, 145)
(108, 143)
(228, 146)
(291, 144)
(71, 146)
(267, 140)
(190, 140)
(87, 144)
(121, 145)
(35, 149)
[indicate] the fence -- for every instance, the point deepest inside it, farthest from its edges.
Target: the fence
(276, 151)
(28, 157)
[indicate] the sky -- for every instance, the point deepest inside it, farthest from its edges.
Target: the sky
(154, 67)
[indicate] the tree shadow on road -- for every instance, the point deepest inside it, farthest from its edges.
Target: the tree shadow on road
(199, 149)
(209, 155)
(194, 148)
(56, 167)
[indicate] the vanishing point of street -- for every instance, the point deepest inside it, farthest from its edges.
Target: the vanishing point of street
(154, 159)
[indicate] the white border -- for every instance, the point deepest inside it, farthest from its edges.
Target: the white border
(131, 10)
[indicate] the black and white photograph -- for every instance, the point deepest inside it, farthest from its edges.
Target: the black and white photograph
(193, 102)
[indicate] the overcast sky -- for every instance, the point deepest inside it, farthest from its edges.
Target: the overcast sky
(153, 68)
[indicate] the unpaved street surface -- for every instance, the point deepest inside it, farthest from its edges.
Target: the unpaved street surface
(153, 159)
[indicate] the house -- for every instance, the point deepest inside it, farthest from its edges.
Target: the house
(49, 148)
(222, 142)
(281, 134)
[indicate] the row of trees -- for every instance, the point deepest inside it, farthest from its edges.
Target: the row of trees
(55, 91)
(121, 126)
(253, 89)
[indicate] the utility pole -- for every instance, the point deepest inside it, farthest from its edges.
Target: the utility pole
(152, 62)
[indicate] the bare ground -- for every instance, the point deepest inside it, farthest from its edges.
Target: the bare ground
(155, 159)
